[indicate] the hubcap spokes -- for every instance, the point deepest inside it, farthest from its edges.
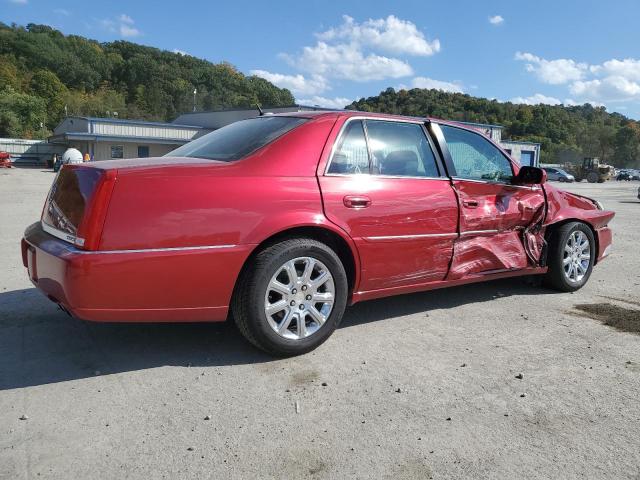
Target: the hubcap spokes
(299, 298)
(576, 256)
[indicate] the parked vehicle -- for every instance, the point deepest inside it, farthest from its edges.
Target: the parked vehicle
(558, 174)
(638, 193)
(5, 160)
(623, 176)
(284, 220)
(591, 169)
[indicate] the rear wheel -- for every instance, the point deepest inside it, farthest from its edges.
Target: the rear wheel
(292, 297)
(571, 257)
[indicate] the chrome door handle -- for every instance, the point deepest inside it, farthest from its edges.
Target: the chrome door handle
(356, 201)
(470, 203)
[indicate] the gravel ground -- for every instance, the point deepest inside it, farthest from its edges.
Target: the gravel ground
(418, 386)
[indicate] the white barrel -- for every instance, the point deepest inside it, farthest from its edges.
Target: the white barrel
(72, 155)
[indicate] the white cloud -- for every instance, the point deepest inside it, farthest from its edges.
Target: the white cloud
(180, 52)
(611, 88)
(337, 102)
(62, 11)
(496, 20)
(554, 72)
(536, 99)
(430, 83)
(390, 34)
(298, 84)
(628, 68)
(123, 24)
(128, 31)
(126, 19)
(347, 61)
(374, 49)
(19, 2)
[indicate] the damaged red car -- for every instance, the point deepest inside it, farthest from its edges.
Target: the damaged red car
(281, 221)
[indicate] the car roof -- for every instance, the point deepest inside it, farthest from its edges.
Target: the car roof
(382, 116)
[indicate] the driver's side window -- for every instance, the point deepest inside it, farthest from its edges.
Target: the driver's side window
(476, 158)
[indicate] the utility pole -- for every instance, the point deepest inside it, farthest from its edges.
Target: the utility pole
(195, 91)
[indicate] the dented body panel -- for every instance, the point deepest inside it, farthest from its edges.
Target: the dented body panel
(170, 236)
(564, 206)
(493, 218)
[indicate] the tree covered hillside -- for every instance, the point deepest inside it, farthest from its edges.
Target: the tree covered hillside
(566, 133)
(42, 70)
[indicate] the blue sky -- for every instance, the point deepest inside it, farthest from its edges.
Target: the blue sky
(329, 53)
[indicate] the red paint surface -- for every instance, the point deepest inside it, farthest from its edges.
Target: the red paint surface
(405, 234)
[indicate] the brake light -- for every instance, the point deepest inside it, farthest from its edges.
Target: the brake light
(90, 228)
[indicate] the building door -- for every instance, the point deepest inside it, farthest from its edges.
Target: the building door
(527, 157)
(143, 151)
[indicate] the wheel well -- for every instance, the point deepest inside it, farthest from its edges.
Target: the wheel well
(329, 238)
(554, 226)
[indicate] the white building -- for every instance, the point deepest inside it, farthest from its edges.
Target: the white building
(109, 138)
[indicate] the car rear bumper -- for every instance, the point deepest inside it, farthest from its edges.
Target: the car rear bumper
(152, 285)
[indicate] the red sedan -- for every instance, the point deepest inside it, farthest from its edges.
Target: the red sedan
(281, 221)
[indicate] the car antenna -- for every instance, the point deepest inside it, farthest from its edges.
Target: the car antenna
(259, 109)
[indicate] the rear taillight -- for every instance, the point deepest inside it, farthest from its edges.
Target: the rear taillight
(93, 220)
(76, 207)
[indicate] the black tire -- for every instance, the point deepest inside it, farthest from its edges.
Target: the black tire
(592, 177)
(555, 277)
(249, 296)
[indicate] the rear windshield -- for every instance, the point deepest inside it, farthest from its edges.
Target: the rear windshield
(237, 140)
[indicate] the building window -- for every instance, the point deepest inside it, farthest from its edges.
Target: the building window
(143, 151)
(117, 151)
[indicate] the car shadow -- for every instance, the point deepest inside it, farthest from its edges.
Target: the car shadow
(40, 344)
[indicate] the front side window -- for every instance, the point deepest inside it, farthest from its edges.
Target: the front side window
(351, 155)
(400, 149)
(239, 139)
(474, 157)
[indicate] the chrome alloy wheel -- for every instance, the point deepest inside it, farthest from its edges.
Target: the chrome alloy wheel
(577, 256)
(299, 298)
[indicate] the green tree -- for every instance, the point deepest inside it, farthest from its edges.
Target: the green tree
(627, 146)
(46, 85)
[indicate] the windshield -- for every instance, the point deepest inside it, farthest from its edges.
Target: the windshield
(238, 139)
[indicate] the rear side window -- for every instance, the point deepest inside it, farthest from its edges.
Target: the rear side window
(474, 157)
(400, 149)
(239, 139)
(351, 154)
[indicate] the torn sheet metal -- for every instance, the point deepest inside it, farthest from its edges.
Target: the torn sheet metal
(501, 228)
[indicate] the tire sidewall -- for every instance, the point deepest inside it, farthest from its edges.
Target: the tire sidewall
(260, 324)
(559, 255)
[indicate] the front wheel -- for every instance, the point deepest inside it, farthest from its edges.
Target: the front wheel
(571, 256)
(292, 297)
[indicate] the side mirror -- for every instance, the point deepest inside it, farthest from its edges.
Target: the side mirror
(530, 176)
